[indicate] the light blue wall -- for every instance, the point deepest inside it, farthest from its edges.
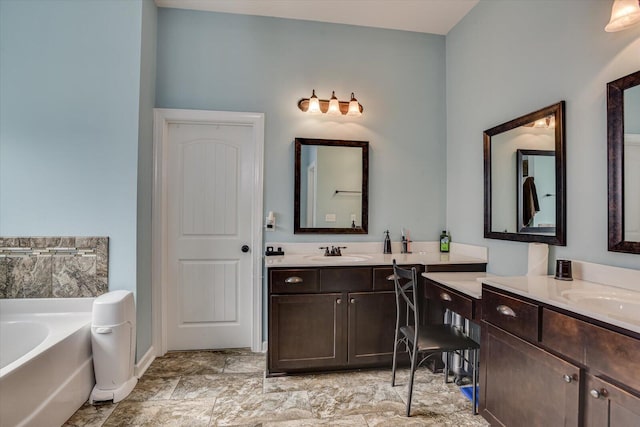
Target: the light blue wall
(145, 174)
(506, 59)
(218, 61)
(74, 91)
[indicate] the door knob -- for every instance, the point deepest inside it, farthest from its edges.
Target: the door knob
(245, 248)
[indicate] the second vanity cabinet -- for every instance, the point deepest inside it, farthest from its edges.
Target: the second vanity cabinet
(330, 318)
(551, 367)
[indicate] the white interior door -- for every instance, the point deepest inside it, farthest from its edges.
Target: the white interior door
(210, 178)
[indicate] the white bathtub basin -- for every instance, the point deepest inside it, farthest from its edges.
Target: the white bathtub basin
(338, 259)
(618, 304)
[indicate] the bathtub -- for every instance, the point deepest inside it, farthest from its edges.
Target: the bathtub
(46, 369)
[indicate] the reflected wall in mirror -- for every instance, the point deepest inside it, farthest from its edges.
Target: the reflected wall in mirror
(623, 140)
(524, 178)
(331, 186)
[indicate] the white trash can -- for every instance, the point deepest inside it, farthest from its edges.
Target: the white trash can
(113, 339)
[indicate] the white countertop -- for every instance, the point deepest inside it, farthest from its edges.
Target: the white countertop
(613, 305)
(468, 283)
(317, 260)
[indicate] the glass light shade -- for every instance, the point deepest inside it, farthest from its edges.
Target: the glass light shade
(624, 14)
(334, 106)
(552, 122)
(314, 104)
(354, 107)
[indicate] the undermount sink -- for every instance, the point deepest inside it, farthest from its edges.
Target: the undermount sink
(338, 259)
(618, 304)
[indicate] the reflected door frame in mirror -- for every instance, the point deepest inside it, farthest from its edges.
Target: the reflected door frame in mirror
(615, 157)
(559, 238)
(361, 228)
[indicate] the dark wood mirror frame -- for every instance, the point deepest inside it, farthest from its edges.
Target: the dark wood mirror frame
(560, 236)
(615, 160)
(363, 228)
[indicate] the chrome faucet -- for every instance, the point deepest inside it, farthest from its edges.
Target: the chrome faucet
(334, 251)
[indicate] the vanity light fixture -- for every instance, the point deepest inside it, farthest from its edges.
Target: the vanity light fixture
(548, 122)
(332, 106)
(624, 14)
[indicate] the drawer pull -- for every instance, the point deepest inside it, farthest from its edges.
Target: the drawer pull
(339, 301)
(445, 296)
(567, 378)
(595, 393)
(391, 277)
(293, 280)
(353, 300)
(505, 310)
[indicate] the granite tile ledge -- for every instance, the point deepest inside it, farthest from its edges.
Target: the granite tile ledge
(53, 267)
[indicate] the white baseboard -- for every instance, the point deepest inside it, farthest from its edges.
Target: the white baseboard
(264, 346)
(143, 364)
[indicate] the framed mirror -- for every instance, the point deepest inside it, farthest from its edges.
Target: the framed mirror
(331, 186)
(623, 142)
(524, 178)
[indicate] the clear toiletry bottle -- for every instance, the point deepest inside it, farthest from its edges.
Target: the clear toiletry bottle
(445, 240)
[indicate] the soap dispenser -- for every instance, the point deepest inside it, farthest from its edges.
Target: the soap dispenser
(445, 241)
(387, 244)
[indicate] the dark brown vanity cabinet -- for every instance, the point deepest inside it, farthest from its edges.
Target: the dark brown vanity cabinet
(550, 367)
(520, 381)
(608, 405)
(330, 318)
(306, 331)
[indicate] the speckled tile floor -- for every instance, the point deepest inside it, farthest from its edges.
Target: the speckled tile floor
(229, 388)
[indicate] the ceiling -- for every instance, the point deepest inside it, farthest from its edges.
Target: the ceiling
(424, 16)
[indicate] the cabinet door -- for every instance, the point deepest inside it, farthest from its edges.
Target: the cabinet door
(307, 331)
(372, 323)
(607, 405)
(523, 384)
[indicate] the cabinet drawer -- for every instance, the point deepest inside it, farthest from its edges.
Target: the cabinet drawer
(450, 300)
(382, 275)
(294, 281)
(511, 314)
(348, 279)
(603, 351)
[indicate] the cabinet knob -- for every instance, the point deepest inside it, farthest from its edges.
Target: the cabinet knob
(505, 310)
(445, 296)
(567, 378)
(293, 280)
(339, 301)
(595, 393)
(353, 301)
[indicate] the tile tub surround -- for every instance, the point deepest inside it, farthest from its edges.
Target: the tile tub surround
(229, 388)
(53, 267)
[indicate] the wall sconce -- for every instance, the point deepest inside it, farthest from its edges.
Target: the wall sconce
(333, 106)
(624, 14)
(548, 122)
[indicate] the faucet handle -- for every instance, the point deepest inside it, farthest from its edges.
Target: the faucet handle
(326, 250)
(338, 252)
